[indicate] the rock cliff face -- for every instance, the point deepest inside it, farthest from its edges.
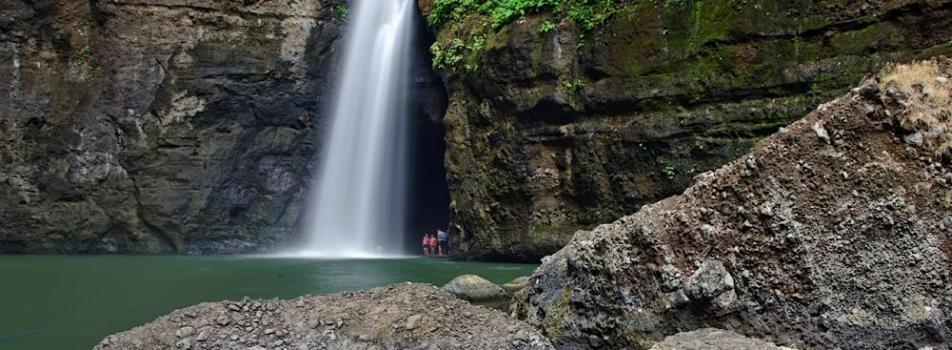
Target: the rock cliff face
(553, 128)
(162, 125)
(157, 125)
(833, 233)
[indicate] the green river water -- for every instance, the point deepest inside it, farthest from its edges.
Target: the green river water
(71, 302)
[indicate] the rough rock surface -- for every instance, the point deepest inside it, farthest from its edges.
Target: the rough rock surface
(517, 284)
(713, 339)
(157, 125)
(148, 126)
(833, 233)
(549, 132)
(405, 316)
(477, 290)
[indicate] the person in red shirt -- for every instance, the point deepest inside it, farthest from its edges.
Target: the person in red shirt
(426, 244)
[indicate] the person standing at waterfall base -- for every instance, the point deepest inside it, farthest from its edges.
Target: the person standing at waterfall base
(443, 245)
(426, 244)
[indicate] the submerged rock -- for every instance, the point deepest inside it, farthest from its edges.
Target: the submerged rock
(841, 241)
(404, 316)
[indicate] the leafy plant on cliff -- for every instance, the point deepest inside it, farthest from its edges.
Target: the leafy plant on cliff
(449, 56)
(342, 11)
(546, 26)
(587, 13)
(483, 17)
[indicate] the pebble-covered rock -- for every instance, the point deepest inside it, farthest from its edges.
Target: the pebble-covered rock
(404, 316)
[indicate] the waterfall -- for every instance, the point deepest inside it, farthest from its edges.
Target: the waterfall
(357, 208)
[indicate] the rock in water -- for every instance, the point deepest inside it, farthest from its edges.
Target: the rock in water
(476, 289)
(816, 243)
(713, 339)
(405, 316)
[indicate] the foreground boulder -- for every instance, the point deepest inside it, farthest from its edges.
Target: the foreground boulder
(713, 339)
(833, 233)
(406, 316)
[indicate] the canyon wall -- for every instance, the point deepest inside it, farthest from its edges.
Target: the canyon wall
(555, 126)
(153, 126)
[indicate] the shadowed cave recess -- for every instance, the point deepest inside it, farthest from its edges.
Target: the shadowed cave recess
(428, 197)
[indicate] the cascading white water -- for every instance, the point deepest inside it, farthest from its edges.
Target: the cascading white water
(357, 207)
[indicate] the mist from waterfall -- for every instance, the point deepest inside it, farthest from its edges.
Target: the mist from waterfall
(357, 208)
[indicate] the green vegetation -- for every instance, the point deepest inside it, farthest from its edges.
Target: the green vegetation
(469, 23)
(587, 13)
(670, 171)
(342, 11)
(449, 56)
(454, 54)
(546, 26)
(574, 85)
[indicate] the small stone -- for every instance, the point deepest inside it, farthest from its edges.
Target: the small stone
(183, 344)
(914, 139)
(942, 80)
(269, 331)
(312, 324)
(185, 331)
(413, 321)
(234, 307)
(821, 132)
(675, 299)
(202, 336)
